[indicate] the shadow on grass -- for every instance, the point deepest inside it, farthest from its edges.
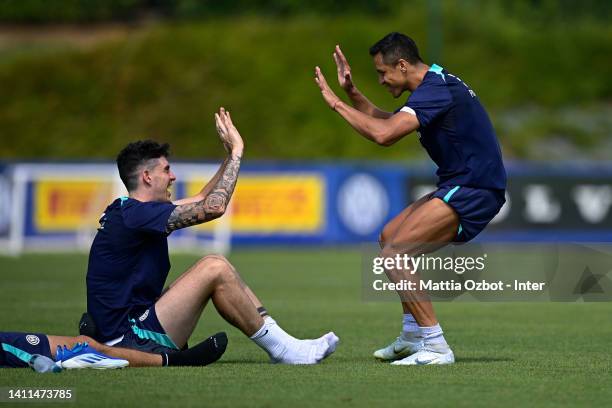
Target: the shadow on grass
(482, 359)
(232, 361)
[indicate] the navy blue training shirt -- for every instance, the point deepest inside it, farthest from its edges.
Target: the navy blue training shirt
(456, 132)
(128, 263)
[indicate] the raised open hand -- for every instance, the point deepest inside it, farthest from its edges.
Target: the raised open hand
(345, 79)
(229, 135)
(330, 97)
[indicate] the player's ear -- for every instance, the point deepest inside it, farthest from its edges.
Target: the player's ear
(403, 65)
(146, 176)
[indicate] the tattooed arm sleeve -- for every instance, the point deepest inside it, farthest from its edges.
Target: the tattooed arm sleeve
(207, 188)
(212, 206)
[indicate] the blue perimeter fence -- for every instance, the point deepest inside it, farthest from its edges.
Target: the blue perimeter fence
(330, 203)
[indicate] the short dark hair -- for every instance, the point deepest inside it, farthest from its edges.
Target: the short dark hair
(395, 46)
(135, 155)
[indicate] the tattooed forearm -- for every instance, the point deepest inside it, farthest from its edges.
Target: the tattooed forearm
(213, 181)
(212, 206)
(186, 215)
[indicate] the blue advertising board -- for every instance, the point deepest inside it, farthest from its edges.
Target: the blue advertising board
(322, 203)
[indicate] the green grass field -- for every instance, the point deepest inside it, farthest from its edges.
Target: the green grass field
(510, 354)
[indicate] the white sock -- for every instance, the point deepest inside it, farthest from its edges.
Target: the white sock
(284, 348)
(433, 336)
(272, 339)
(410, 328)
(268, 319)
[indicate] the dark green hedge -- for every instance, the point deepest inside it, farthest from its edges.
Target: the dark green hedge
(164, 81)
(69, 11)
(76, 11)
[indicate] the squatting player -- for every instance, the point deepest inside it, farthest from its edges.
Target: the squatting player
(128, 263)
(456, 131)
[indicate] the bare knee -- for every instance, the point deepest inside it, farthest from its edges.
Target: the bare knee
(409, 245)
(216, 266)
(388, 251)
(213, 262)
(386, 235)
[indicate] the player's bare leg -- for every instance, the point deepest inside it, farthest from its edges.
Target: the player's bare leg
(135, 357)
(179, 309)
(429, 225)
(409, 341)
(213, 277)
(392, 227)
(256, 302)
(202, 354)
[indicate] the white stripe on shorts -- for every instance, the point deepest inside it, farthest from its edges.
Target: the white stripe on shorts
(114, 341)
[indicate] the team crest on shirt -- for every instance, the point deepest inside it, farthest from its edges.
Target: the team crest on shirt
(144, 316)
(32, 339)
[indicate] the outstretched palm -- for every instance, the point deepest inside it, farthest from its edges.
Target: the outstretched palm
(330, 97)
(229, 135)
(345, 78)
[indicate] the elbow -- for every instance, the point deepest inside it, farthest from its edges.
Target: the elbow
(212, 212)
(382, 138)
(216, 213)
(215, 205)
(388, 142)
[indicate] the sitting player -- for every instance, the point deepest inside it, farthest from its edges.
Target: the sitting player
(129, 263)
(18, 349)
